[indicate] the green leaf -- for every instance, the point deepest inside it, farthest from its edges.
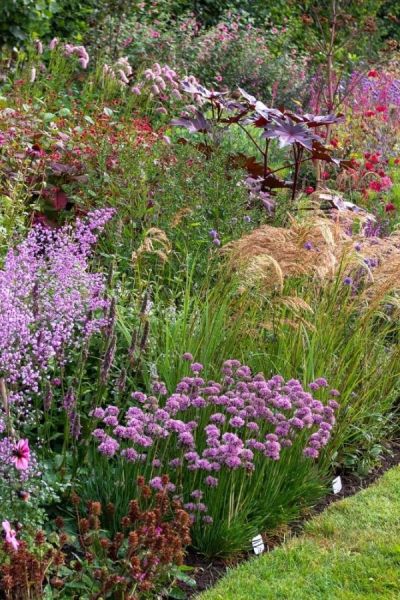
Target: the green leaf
(64, 112)
(177, 594)
(186, 579)
(48, 116)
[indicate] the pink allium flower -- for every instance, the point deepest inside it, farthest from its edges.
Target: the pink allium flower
(33, 75)
(53, 43)
(21, 455)
(10, 535)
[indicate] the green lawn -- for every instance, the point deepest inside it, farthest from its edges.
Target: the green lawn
(349, 552)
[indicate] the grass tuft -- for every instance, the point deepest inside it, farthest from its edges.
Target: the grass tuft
(349, 552)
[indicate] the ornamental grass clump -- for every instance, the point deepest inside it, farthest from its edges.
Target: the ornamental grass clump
(220, 442)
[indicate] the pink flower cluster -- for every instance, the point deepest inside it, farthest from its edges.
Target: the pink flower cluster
(164, 84)
(121, 71)
(210, 426)
(79, 51)
(49, 300)
(10, 535)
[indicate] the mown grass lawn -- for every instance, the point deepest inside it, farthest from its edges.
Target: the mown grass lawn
(349, 552)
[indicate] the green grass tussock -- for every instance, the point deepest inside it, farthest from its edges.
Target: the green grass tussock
(349, 552)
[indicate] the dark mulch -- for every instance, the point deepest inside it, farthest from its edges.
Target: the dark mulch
(207, 571)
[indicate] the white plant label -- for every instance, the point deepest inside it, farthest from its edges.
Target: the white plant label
(337, 485)
(258, 544)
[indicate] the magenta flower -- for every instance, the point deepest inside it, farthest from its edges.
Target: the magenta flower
(21, 455)
(10, 535)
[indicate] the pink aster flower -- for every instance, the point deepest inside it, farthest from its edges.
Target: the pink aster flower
(10, 535)
(21, 454)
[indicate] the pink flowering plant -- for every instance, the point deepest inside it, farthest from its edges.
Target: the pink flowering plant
(51, 304)
(222, 442)
(24, 489)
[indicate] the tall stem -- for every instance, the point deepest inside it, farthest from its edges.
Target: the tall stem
(6, 406)
(297, 152)
(252, 139)
(266, 158)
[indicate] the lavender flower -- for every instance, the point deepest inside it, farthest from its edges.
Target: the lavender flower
(48, 299)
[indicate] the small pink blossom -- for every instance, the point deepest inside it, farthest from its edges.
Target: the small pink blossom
(386, 183)
(21, 455)
(10, 535)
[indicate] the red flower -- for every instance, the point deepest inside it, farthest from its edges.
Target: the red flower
(375, 186)
(309, 189)
(397, 161)
(367, 154)
(369, 165)
(334, 142)
(325, 175)
(390, 207)
(373, 73)
(369, 113)
(380, 108)
(374, 159)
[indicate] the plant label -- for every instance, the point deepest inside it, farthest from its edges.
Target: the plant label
(337, 485)
(258, 544)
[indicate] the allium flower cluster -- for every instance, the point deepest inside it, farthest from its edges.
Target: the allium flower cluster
(214, 236)
(211, 426)
(49, 300)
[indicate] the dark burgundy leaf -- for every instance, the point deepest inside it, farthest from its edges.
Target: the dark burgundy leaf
(62, 168)
(250, 99)
(195, 88)
(193, 124)
(288, 132)
(248, 163)
(60, 200)
(318, 120)
(274, 182)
